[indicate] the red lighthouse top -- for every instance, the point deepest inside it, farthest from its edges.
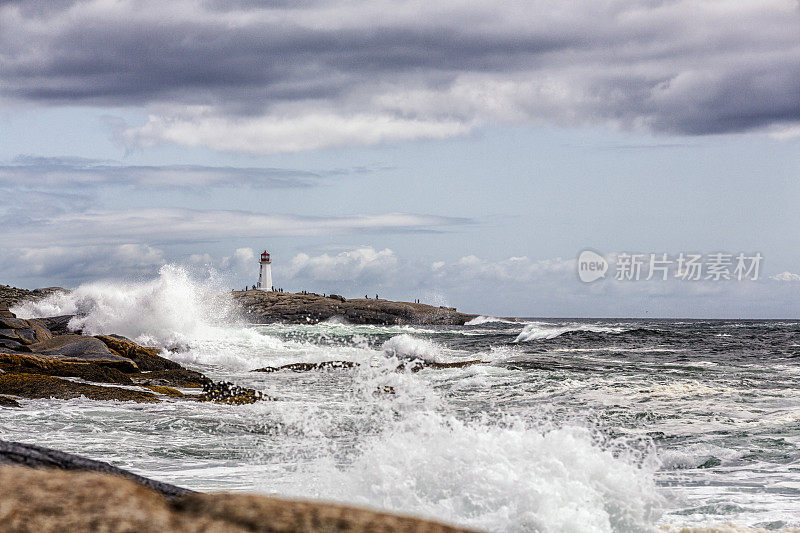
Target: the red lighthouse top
(265, 257)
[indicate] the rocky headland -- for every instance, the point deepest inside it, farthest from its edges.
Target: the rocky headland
(265, 307)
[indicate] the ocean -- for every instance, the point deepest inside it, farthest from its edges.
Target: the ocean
(565, 424)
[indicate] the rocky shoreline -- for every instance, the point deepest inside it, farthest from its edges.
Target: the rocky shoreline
(264, 307)
(47, 490)
(39, 362)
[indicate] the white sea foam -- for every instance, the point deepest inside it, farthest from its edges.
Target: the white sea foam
(169, 308)
(539, 331)
(173, 310)
(406, 346)
(507, 477)
(477, 321)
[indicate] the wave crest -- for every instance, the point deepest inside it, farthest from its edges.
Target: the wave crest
(534, 332)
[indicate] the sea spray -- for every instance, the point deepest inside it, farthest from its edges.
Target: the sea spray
(407, 346)
(191, 316)
(496, 476)
(170, 307)
(494, 472)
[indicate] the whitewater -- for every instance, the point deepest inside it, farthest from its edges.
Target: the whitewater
(566, 425)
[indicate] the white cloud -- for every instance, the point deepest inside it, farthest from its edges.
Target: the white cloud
(270, 134)
(353, 266)
(73, 264)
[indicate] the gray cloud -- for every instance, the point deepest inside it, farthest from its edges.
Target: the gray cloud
(275, 76)
(156, 226)
(31, 172)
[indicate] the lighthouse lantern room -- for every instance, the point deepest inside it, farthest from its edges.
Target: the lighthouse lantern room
(265, 272)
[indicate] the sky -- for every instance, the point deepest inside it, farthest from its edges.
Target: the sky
(463, 153)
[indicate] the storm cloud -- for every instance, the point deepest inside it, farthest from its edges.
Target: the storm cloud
(265, 77)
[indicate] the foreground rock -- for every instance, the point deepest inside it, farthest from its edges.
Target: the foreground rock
(54, 501)
(265, 307)
(18, 453)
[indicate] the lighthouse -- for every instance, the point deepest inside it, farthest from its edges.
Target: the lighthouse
(265, 272)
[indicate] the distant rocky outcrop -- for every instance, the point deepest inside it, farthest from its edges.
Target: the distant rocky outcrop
(265, 307)
(11, 296)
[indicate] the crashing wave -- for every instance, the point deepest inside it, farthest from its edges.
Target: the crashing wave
(534, 332)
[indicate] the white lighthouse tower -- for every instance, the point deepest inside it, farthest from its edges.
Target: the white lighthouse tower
(265, 272)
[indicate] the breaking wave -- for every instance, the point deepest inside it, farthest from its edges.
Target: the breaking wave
(406, 346)
(171, 309)
(498, 477)
(538, 331)
(477, 321)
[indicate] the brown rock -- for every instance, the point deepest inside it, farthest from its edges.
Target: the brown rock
(18, 333)
(277, 515)
(41, 364)
(269, 306)
(178, 377)
(41, 386)
(165, 391)
(145, 358)
(45, 501)
(83, 349)
(58, 325)
(418, 364)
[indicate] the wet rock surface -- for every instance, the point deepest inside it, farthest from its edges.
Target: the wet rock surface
(41, 386)
(41, 364)
(263, 307)
(307, 367)
(36, 362)
(228, 393)
(177, 377)
(78, 348)
(146, 359)
(5, 401)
